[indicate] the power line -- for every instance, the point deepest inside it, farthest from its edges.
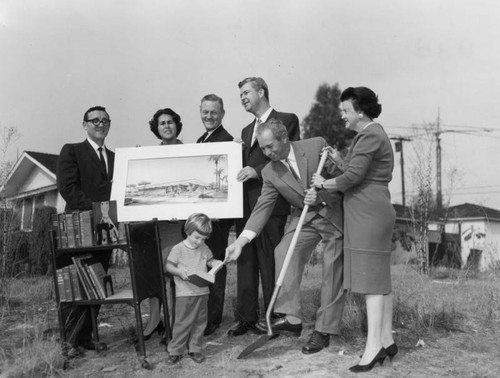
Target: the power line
(412, 193)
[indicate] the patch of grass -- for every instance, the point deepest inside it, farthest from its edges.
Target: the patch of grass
(354, 322)
(422, 305)
(38, 356)
(29, 290)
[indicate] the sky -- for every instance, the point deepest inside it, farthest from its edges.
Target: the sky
(422, 58)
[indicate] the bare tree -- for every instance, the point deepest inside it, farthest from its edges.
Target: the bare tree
(422, 204)
(9, 135)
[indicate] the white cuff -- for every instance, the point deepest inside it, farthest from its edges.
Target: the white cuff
(249, 234)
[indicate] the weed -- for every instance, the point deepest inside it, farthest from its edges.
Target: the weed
(38, 355)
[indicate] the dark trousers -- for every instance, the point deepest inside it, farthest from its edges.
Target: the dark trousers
(77, 319)
(217, 242)
(257, 258)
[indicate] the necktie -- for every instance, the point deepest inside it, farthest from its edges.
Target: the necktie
(294, 173)
(254, 136)
(101, 158)
(202, 138)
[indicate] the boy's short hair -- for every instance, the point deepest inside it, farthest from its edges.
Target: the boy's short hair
(198, 222)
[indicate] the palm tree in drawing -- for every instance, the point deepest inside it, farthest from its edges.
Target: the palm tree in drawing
(216, 159)
(223, 180)
(218, 174)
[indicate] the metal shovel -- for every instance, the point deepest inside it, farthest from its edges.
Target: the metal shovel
(269, 335)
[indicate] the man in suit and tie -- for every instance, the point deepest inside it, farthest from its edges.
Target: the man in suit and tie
(258, 256)
(212, 113)
(84, 175)
(289, 175)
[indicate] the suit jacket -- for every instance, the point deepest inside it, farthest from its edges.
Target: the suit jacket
(278, 180)
(255, 158)
(81, 179)
(219, 135)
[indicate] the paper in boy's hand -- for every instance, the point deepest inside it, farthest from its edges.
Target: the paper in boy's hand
(202, 279)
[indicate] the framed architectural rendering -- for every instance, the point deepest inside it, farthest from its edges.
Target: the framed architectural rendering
(172, 182)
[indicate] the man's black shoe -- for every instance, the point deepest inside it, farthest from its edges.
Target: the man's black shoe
(281, 325)
(317, 342)
(211, 328)
(242, 328)
(276, 316)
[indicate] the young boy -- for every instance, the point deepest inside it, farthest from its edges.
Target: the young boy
(191, 301)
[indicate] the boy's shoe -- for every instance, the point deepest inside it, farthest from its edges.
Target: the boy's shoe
(173, 359)
(197, 357)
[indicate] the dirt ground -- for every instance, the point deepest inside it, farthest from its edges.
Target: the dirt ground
(452, 355)
(472, 351)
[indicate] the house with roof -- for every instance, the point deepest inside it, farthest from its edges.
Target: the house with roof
(478, 230)
(465, 236)
(31, 184)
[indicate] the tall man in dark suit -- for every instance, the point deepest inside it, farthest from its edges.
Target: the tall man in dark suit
(212, 113)
(289, 174)
(84, 175)
(258, 256)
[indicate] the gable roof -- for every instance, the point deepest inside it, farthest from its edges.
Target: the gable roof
(402, 212)
(25, 165)
(472, 211)
(48, 160)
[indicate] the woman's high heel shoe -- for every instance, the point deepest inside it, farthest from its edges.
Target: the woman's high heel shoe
(159, 329)
(392, 350)
(379, 358)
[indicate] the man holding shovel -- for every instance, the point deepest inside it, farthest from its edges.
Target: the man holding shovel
(289, 174)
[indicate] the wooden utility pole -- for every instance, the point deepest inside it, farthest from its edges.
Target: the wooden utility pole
(439, 196)
(399, 148)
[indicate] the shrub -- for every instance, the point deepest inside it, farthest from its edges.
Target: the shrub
(39, 241)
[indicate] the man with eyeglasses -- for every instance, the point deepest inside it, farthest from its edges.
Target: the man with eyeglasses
(84, 175)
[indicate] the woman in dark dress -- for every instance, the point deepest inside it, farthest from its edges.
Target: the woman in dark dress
(166, 125)
(368, 220)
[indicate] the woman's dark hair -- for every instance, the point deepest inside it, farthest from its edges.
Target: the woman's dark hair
(154, 122)
(363, 99)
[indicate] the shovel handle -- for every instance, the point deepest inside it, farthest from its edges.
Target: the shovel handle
(289, 252)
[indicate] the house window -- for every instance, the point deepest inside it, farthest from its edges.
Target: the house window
(27, 214)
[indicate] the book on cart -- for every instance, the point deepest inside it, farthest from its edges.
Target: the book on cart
(62, 230)
(68, 289)
(75, 283)
(74, 230)
(60, 285)
(87, 238)
(97, 275)
(70, 231)
(83, 274)
(75, 219)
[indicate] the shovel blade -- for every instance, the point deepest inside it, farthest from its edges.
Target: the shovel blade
(257, 344)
